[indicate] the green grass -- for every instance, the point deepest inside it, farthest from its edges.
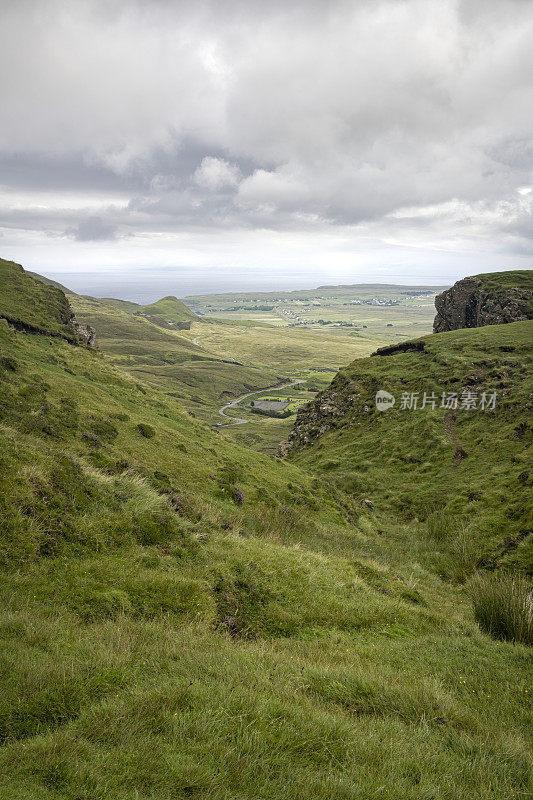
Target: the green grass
(341, 311)
(168, 360)
(183, 617)
(198, 367)
(171, 309)
(49, 282)
(28, 302)
(503, 606)
(463, 476)
(203, 376)
(122, 305)
(168, 308)
(519, 279)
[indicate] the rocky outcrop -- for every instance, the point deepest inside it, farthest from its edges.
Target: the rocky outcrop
(324, 413)
(474, 302)
(73, 331)
(402, 347)
(84, 334)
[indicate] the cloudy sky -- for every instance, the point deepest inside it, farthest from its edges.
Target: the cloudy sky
(156, 146)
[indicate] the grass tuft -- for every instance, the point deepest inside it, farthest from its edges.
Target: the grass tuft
(503, 606)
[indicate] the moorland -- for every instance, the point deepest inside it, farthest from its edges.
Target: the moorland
(184, 615)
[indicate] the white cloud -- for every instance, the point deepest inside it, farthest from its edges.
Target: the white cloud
(216, 173)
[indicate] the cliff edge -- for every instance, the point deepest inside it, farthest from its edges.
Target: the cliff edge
(490, 299)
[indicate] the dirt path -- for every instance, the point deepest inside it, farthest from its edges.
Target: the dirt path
(234, 403)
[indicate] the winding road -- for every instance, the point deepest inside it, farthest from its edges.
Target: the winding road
(235, 403)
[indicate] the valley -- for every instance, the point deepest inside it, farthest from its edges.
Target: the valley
(212, 361)
(182, 615)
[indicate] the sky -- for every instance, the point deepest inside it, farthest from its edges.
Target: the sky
(152, 147)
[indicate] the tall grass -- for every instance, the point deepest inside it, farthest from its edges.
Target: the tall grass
(503, 606)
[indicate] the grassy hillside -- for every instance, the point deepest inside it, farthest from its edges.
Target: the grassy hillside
(49, 281)
(110, 323)
(123, 305)
(171, 309)
(461, 475)
(519, 278)
(163, 358)
(29, 303)
(182, 617)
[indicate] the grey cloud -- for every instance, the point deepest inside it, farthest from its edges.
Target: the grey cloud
(516, 153)
(92, 229)
(248, 115)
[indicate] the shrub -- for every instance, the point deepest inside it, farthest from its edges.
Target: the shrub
(91, 439)
(104, 429)
(230, 473)
(146, 430)
(503, 606)
(9, 364)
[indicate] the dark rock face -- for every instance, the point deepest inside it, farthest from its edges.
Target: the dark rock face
(468, 304)
(402, 347)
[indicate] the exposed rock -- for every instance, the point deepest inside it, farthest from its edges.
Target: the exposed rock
(403, 347)
(85, 334)
(473, 302)
(73, 332)
(322, 414)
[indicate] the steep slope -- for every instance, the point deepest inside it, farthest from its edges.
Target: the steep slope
(489, 299)
(455, 462)
(49, 282)
(181, 617)
(29, 304)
